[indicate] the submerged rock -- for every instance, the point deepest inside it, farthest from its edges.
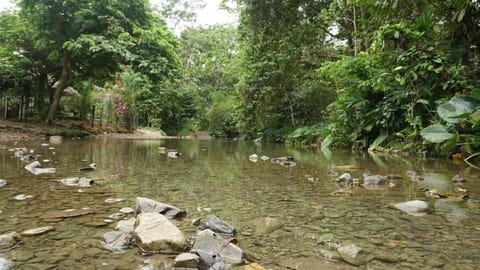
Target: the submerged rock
(114, 200)
(145, 205)
(116, 241)
(414, 208)
(9, 240)
(266, 225)
(217, 225)
(77, 181)
(37, 231)
(68, 213)
(374, 180)
(155, 233)
(355, 255)
(55, 139)
(284, 161)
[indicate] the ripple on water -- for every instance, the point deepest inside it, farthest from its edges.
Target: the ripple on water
(223, 181)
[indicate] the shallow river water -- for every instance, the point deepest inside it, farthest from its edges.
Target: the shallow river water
(216, 177)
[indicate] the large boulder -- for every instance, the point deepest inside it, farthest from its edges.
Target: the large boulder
(146, 205)
(208, 242)
(155, 233)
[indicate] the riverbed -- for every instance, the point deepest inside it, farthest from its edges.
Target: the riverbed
(217, 177)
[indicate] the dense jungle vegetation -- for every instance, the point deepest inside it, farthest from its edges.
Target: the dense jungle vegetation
(352, 73)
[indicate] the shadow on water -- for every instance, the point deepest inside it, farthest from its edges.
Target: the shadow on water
(217, 177)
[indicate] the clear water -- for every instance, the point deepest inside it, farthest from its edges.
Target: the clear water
(217, 176)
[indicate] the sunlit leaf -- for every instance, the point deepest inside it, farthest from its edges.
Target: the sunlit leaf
(436, 133)
(457, 108)
(378, 141)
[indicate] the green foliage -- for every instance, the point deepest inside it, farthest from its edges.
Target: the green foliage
(462, 117)
(307, 136)
(222, 117)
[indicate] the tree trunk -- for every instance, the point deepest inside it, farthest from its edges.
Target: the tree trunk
(40, 95)
(64, 82)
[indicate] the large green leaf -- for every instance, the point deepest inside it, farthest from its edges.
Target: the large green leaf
(449, 145)
(436, 133)
(457, 108)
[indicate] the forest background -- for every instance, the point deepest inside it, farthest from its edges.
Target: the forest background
(362, 74)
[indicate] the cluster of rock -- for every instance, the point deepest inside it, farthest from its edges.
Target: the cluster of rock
(34, 166)
(171, 153)
(333, 249)
(153, 232)
(346, 180)
(282, 161)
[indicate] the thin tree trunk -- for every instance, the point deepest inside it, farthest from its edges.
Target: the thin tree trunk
(64, 82)
(42, 89)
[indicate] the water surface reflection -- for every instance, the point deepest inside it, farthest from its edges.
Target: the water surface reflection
(217, 175)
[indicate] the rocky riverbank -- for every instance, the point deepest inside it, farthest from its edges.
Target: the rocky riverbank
(17, 131)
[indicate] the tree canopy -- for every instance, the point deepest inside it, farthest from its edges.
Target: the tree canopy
(358, 73)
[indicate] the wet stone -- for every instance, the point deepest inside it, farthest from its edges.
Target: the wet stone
(76, 255)
(114, 200)
(127, 210)
(37, 231)
(387, 257)
(22, 256)
(38, 266)
(434, 262)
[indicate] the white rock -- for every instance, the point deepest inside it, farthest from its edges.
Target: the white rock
(22, 197)
(253, 158)
(127, 210)
(37, 231)
(414, 208)
(114, 200)
(155, 233)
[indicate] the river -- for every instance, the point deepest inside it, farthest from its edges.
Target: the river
(217, 177)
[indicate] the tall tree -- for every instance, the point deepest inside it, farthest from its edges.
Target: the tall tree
(93, 38)
(282, 44)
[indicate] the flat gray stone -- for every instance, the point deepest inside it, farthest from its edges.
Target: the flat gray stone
(155, 233)
(146, 205)
(210, 241)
